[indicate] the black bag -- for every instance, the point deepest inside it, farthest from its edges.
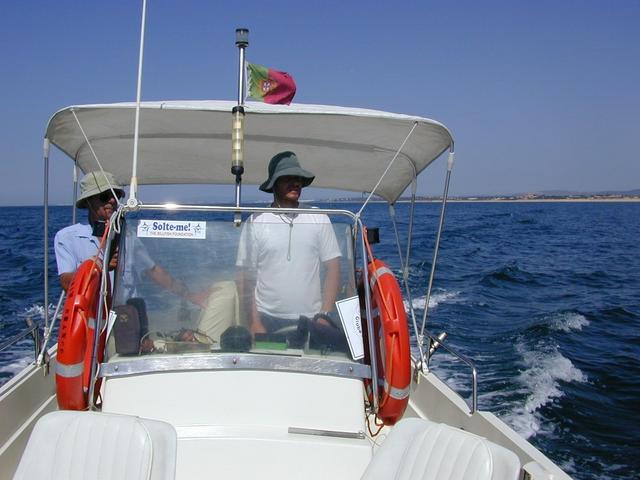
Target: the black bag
(127, 330)
(141, 307)
(235, 339)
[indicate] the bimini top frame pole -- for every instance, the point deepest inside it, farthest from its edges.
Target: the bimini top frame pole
(46, 148)
(436, 247)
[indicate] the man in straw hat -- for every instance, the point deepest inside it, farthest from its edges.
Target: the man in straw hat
(99, 194)
(280, 255)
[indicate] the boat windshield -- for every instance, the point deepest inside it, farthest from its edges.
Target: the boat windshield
(190, 283)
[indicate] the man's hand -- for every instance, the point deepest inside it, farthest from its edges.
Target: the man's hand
(201, 298)
(67, 277)
(323, 318)
(113, 263)
(257, 327)
(65, 280)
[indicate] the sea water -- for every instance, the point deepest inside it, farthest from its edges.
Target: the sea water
(544, 297)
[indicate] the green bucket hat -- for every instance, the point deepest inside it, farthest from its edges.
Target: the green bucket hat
(283, 164)
(94, 183)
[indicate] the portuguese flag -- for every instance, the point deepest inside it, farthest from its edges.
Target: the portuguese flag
(269, 85)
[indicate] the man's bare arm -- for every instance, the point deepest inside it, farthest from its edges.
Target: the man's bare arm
(331, 284)
(246, 291)
(162, 278)
(165, 280)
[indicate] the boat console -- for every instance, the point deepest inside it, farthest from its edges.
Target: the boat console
(183, 347)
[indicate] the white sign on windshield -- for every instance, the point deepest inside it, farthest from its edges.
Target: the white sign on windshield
(110, 321)
(349, 310)
(172, 229)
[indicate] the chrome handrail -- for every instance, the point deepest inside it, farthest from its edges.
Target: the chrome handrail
(32, 330)
(474, 372)
(219, 360)
(48, 330)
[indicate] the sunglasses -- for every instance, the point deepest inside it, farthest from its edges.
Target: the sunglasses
(104, 197)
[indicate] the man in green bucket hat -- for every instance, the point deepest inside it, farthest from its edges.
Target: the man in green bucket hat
(281, 255)
(285, 166)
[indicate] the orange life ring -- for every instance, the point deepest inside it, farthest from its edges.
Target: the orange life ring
(75, 339)
(393, 351)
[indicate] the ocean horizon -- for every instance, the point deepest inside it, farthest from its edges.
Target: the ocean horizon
(543, 296)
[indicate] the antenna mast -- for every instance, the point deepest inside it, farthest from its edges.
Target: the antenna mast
(133, 189)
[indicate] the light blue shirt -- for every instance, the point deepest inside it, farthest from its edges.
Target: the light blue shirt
(73, 245)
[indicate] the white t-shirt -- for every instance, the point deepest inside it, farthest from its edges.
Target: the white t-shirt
(286, 251)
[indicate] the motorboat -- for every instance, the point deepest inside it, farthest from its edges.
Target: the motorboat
(277, 407)
(172, 387)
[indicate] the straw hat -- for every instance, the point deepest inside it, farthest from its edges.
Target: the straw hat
(94, 183)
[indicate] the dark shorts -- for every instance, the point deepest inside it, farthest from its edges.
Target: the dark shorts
(273, 324)
(323, 337)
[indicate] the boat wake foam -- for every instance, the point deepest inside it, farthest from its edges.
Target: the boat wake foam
(568, 321)
(451, 372)
(17, 364)
(21, 353)
(436, 299)
(545, 368)
(36, 311)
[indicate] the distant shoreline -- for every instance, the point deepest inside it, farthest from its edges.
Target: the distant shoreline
(496, 200)
(540, 200)
(439, 200)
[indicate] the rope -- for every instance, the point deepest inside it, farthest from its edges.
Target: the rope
(404, 264)
(86, 139)
(380, 427)
(372, 259)
(415, 124)
(117, 220)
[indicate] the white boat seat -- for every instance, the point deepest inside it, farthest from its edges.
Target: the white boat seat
(420, 449)
(68, 445)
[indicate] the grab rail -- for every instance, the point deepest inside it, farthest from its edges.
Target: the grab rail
(32, 330)
(474, 372)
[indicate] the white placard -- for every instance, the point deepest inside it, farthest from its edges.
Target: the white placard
(110, 321)
(172, 229)
(349, 310)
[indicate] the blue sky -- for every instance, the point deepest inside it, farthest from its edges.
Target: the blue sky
(539, 95)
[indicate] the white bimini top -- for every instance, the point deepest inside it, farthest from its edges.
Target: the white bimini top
(189, 142)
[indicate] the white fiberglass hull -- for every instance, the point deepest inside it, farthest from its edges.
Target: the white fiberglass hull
(216, 432)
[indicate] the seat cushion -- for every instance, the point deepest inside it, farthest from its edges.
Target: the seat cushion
(68, 445)
(420, 449)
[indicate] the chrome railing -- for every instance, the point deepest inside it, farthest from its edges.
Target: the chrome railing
(438, 342)
(33, 330)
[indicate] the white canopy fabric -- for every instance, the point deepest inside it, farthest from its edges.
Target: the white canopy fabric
(189, 142)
